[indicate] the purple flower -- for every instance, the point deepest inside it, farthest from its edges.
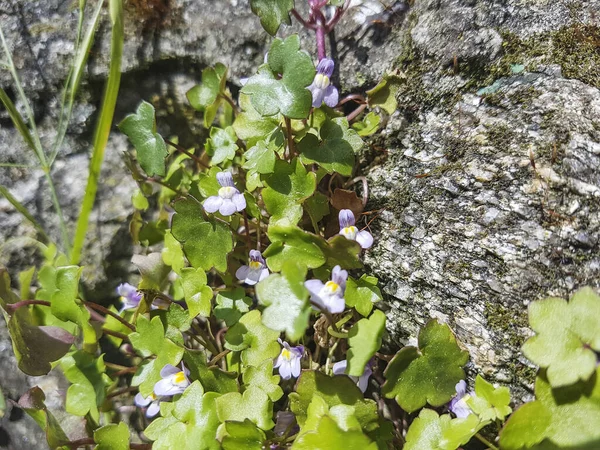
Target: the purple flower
(321, 87)
(174, 380)
(349, 231)
(458, 405)
(229, 199)
(339, 368)
(130, 296)
(151, 400)
(329, 296)
(255, 271)
(288, 360)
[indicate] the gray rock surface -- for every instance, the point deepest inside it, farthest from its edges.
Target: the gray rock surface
(471, 231)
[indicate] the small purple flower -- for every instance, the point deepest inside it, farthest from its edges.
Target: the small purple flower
(151, 400)
(329, 296)
(255, 271)
(229, 199)
(349, 231)
(321, 87)
(288, 360)
(339, 368)
(174, 380)
(458, 405)
(130, 296)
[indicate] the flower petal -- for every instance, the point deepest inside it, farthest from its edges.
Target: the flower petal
(317, 95)
(227, 208)
(169, 370)
(212, 204)
(285, 370)
(346, 218)
(314, 286)
(239, 202)
(153, 410)
(331, 96)
(295, 367)
(335, 304)
(225, 179)
(264, 274)
(253, 277)
(365, 239)
(242, 273)
(140, 401)
(339, 368)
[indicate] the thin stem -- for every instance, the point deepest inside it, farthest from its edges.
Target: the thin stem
(14, 306)
(122, 391)
(108, 312)
(21, 208)
(115, 334)
(365, 193)
(339, 12)
(229, 100)
(357, 98)
(247, 231)
(210, 346)
(304, 23)
(163, 184)
(181, 149)
(354, 114)
(61, 218)
(214, 361)
(320, 34)
(486, 442)
(290, 137)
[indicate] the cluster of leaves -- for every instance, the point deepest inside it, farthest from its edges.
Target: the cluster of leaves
(292, 164)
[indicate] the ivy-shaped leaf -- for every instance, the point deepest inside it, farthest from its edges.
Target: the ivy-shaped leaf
(384, 94)
(254, 404)
(329, 436)
(489, 403)
(286, 300)
(280, 85)
(362, 294)
(149, 339)
(213, 379)
(197, 294)
(205, 96)
(341, 251)
(250, 126)
(206, 243)
(334, 149)
(207, 182)
(189, 423)
(285, 191)
(260, 158)
(272, 13)
(172, 253)
(243, 436)
(317, 207)
(231, 305)
(428, 374)
(565, 417)
(151, 150)
(335, 391)
(88, 379)
(32, 402)
(291, 243)
(112, 437)
(364, 339)
(262, 377)
(255, 341)
(222, 145)
(153, 270)
(433, 432)
(567, 335)
(368, 125)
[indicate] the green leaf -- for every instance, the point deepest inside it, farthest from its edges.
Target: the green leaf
(368, 125)
(88, 383)
(243, 436)
(250, 126)
(213, 379)
(290, 243)
(384, 94)
(362, 293)
(489, 403)
(149, 339)
(565, 417)
(206, 243)
(272, 13)
(566, 336)
(364, 339)
(428, 374)
(432, 432)
(260, 158)
(197, 294)
(32, 402)
(262, 377)
(335, 391)
(254, 404)
(189, 423)
(222, 145)
(25, 279)
(285, 191)
(256, 342)
(153, 270)
(205, 94)
(341, 251)
(112, 437)
(151, 150)
(334, 149)
(207, 182)
(231, 305)
(35, 346)
(286, 300)
(317, 207)
(329, 436)
(172, 253)
(280, 85)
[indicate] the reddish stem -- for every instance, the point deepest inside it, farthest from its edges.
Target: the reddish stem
(108, 312)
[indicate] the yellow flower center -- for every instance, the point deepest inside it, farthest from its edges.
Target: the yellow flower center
(332, 287)
(227, 192)
(179, 378)
(321, 81)
(285, 353)
(349, 232)
(255, 265)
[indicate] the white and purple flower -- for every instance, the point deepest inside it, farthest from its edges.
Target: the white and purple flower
(458, 405)
(130, 296)
(255, 271)
(152, 402)
(329, 296)
(288, 361)
(339, 368)
(229, 200)
(174, 380)
(321, 88)
(350, 231)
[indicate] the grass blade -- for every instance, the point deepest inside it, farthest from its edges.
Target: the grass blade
(21, 208)
(17, 120)
(103, 127)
